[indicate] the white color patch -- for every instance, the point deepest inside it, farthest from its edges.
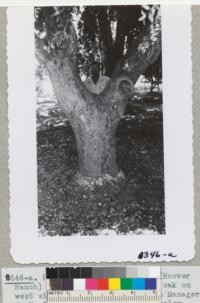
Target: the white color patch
(26, 245)
(79, 284)
(154, 272)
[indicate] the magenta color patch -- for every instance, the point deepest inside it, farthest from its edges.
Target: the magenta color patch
(91, 284)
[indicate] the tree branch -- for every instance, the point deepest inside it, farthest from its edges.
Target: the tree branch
(106, 38)
(59, 57)
(143, 52)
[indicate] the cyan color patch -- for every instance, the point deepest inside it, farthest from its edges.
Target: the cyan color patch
(138, 283)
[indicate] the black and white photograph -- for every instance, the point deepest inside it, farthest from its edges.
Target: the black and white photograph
(100, 133)
(99, 120)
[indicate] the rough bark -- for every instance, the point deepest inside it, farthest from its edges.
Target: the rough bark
(94, 118)
(95, 136)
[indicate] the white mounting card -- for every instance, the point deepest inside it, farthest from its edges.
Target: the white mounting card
(55, 217)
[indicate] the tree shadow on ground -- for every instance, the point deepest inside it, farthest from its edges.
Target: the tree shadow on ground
(136, 205)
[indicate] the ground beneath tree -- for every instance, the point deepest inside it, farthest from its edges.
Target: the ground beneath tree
(67, 209)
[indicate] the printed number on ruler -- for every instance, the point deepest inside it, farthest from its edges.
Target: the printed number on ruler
(104, 296)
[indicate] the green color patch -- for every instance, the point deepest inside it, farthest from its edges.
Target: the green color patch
(126, 283)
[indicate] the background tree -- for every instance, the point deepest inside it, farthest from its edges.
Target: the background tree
(111, 30)
(106, 34)
(126, 39)
(153, 73)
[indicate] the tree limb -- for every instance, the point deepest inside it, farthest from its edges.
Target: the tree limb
(143, 52)
(106, 38)
(59, 57)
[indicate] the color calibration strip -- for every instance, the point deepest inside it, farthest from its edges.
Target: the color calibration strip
(103, 272)
(103, 278)
(104, 284)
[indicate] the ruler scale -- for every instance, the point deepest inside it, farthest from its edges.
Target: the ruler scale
(32, 284)
(104, 296)
(103, 285)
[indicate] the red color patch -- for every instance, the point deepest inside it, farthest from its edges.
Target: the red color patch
(102, 284)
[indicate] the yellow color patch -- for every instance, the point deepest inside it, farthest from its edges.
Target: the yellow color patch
(114, 283)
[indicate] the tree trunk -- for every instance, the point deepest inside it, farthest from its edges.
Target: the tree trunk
(94, 118)
(95, 137)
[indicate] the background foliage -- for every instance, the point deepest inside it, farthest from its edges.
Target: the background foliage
(105, 33)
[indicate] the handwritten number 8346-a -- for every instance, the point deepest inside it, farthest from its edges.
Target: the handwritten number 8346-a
(154, 255)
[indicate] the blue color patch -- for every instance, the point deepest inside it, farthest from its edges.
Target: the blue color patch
(138, 283)
(150, 283)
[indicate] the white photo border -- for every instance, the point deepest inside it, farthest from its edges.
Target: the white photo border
(26, 245)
